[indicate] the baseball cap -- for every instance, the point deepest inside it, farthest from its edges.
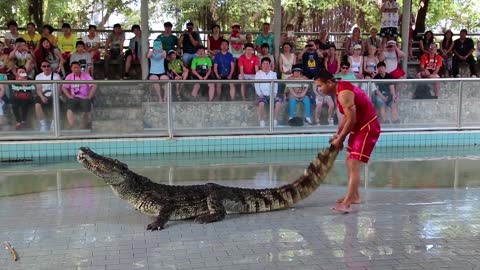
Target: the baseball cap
(171, 51)
(297, 68)
(235, 24)
(393, 42)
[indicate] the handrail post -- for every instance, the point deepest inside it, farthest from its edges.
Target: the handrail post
(271, 107)
(56, 110)
(169, 110)
(460, 104)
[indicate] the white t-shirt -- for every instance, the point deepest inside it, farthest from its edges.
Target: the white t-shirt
(264, 88)
(390, 19)
(47, 89)
(10, 38)
(91, 43)
(391, 60)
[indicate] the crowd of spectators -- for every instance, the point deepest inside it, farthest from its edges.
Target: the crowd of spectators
(235, 56)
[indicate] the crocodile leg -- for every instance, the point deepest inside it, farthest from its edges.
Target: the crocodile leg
(216, 210)
(161, 219)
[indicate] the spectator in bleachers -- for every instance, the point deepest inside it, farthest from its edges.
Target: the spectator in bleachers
(248, 64)
(356, 61)
(477, 52)
(264, 52)
(31, 36)
(354, 39)
(22, 98)
(133, 54)
(3, 97)
(189, 41)
(22, 57)
(370, 62)
(289, 37)
(248, 38)
(286, 60)
(446, 51)
(389, 29)
(463, 49)
(66, 42)
(372, 40)
(320, 100)
(265, 37)
(345, 72)
(236, 41)
(430, 64)
(92, 43)
(262, 90)
(214, 41)
(297, 92)
(426, 41)
(157, 69)
(47, 32)
(79, 96)
(169, 40)
(11, 37)
(332, 60)
(322, 42)
(44, 99)
(114, 45)
(311, 59)
(202, 70)
(224, 67)
(177, 71)
(385, 95)
(6, 64)
(46, 51)
(391, 55)
(83, 57)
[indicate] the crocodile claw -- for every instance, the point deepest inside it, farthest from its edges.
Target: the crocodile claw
(154, 226)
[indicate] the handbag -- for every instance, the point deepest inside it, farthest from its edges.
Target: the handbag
(22, 95)
(398, 72)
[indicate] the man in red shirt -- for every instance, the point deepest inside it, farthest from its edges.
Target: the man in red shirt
(359, 122)
(248, 64)
(430, 64)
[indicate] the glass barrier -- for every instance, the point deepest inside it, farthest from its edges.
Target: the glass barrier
(74, 109)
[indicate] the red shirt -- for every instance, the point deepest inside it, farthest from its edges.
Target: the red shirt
(215, 44)
(365, 112)
(431, 63)
(248, 64)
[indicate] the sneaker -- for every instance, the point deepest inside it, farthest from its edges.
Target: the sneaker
(330, 122)
(308, 120)
(474, 76)
(275, 123)
(262, 123)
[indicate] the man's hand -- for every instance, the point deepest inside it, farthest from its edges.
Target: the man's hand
(336, 141)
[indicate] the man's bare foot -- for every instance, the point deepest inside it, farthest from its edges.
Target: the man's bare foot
(340, 200)
(342, 208)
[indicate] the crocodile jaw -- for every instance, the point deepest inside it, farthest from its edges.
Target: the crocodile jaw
(112, 171)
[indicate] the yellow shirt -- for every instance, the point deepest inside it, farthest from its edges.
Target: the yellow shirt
(32, 42)
(67, 44)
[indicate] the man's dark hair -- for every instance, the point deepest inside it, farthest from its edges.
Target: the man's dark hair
(92, 26)
(464, 30)
(74, 63)
(135, 26)
(66, 25)
(381, 64)
(80, 42)
(267, 59)
(266, 23)
(20, 40)
(265, 45)
(190, 23)
(168, 24)
(117, 25)
(12, 23)
(249, 44)
(323, 76)
(32, 24)
(225, 40)
(49, 27)
(345, 63)
(201, 48)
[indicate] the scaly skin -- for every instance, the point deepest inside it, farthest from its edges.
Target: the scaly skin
(208, 202)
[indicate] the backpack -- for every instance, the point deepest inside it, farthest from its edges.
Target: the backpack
(422, 92)
(295, 121)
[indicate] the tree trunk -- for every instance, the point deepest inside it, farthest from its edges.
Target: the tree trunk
(421, 16)
(35, 8)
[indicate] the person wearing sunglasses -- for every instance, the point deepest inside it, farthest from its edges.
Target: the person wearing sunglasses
(345, 72)
(44, 98)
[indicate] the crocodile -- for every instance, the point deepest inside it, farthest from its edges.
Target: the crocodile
(205, 203)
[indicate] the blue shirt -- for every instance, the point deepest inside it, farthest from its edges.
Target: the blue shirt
(224, 62)
(157, 63)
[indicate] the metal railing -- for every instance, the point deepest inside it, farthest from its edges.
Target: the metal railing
(455, 109)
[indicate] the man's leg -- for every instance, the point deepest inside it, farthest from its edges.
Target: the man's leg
(70, 118)
(455, 62)
(356, 198)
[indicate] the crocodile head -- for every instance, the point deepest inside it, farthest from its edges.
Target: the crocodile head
(112, 171)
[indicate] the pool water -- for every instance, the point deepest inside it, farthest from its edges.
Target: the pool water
(442, 168)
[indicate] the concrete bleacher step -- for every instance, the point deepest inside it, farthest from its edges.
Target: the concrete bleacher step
(118, 114)
(116, 126)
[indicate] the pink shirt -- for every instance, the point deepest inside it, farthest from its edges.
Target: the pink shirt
(79, 90)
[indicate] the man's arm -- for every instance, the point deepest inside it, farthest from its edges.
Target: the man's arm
(93, 90)
(346, 98)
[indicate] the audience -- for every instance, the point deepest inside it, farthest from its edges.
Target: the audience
(157, 69)
(133, 54)
(262, 91)
(248, 64)
(463, 49)
(22, 98)
(430, 64)
(286, 60)
(44, 99)
(189, 41)
(83, 57)
(297, 92)
(446, 51)
(92, 43)
(202, 70)
(223, 68)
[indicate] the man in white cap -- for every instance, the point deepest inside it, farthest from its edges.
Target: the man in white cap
(391, 55)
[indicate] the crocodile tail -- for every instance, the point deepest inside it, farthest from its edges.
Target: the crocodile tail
(311, 179)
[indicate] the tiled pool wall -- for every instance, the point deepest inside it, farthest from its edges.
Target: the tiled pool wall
(14, 150)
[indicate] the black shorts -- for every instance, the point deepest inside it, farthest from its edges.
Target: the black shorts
(158, 75)
(49, 103)
(78, 104)
(389, 32)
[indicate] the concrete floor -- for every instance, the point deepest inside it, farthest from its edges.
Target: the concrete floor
(90, 228)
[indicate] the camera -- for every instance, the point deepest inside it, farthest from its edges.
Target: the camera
(308, 46)
(389, 46)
